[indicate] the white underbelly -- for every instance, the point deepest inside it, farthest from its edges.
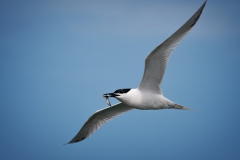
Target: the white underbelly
(148, 101)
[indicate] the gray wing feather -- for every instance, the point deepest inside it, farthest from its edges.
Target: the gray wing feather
(98, 119)
(156, 61)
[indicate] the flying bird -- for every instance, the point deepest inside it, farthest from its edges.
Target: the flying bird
(148, 96)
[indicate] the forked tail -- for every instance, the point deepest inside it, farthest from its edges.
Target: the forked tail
(177, 106)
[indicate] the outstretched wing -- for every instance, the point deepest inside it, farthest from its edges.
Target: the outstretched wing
(156, 61)
(98, 119)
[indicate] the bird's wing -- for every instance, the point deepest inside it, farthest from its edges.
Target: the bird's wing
(156, 61)
(98, 119)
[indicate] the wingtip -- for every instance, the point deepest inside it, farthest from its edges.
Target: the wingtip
(202, 7)
(204, 4)
(197, 15)
(74, 141)
(70, 143)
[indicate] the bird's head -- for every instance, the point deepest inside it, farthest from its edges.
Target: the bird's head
(117, 93)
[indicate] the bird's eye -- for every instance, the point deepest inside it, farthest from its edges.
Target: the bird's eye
(118, 91)
(121, 91)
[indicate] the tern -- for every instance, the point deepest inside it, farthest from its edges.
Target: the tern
(148, 96)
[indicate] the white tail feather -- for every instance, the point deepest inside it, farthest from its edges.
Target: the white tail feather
(177, 106)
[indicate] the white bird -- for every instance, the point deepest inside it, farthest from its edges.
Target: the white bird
(148, 95)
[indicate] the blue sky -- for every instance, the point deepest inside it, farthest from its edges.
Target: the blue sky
(58, 57)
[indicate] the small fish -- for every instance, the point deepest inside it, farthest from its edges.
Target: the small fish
(108, 101)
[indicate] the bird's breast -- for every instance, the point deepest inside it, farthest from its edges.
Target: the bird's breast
(145, 100)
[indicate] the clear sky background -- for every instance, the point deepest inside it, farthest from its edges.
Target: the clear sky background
(58, 57)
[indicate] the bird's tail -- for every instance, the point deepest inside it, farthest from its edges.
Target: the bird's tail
(177, 106)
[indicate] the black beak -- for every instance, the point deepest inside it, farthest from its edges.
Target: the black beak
(107, 95)
(110, 95)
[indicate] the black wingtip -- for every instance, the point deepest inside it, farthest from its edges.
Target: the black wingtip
(202, 7)
(204, 4)
(75, 141)
(199, 14)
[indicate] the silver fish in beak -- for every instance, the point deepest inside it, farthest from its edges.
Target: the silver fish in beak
(107, 95)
